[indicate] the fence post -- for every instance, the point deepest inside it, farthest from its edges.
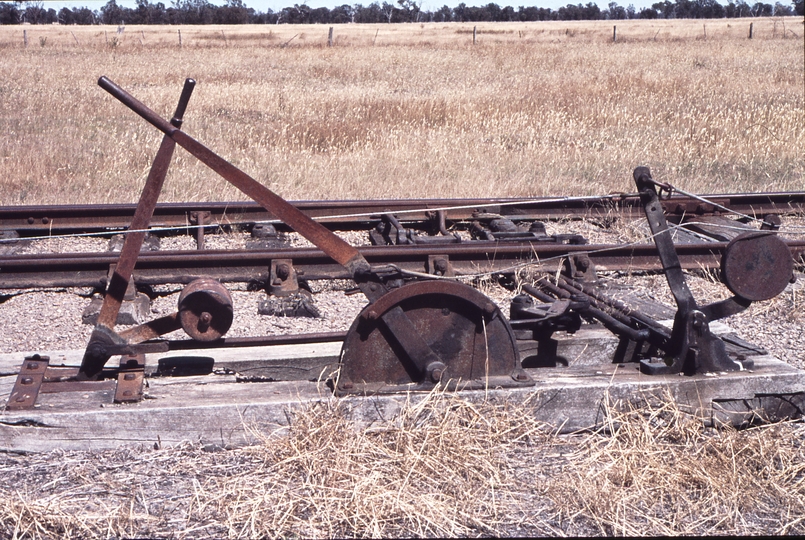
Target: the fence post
(330, 37)
(473, 34)
(751, 28)
(180, 37)
(614, 34)
(25, 38)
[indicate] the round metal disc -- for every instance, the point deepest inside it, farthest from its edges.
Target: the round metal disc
(468, 335)
(205, 309)
(757, 265)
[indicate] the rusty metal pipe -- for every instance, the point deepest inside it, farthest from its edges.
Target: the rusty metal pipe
(610, 322)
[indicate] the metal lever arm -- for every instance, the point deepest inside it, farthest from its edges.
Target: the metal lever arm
(95, 357)
(692, 348)
(339, 250)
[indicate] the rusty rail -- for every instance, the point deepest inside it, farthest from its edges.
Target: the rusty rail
(91, 270)
(39, 220)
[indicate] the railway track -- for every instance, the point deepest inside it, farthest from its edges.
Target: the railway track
(46, 220)
(454, 237)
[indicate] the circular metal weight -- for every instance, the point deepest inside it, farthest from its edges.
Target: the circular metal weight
(757, 265)
(465, 330)
(205, 309)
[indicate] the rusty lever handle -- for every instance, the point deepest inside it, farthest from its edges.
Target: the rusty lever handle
(339, 250)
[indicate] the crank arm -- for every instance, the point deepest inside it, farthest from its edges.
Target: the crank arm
(152, 329)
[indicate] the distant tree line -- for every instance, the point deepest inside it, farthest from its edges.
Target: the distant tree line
(236, 12)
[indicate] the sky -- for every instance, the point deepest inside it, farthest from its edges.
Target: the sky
(427, 5)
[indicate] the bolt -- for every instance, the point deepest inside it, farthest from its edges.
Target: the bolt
(521, 376)
(45, 221)
(283, 271)
(435, 371)
(32, 365)
(373, 287)
(490, 308)
(204, 321)
(127, 393)
(128, 377)
(445, 311)
(440, 265)
(583, 263)
(372, 315)
(22, 398)
(27, 380)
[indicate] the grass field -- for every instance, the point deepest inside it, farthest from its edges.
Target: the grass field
(444, 467)
(531, 109)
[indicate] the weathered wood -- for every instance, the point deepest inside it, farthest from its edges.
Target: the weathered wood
(717, 227)
(216, 409)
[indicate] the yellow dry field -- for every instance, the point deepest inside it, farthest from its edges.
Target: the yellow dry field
(413, 110)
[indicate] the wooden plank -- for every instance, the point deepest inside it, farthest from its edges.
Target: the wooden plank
(215, 409)
(719, 228)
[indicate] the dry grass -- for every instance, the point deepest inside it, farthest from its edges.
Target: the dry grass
(408, 110)
(443, 467)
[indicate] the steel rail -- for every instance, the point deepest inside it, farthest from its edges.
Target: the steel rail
(154, 268)
(356, 214)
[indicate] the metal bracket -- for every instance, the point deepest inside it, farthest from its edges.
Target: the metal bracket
(200, 218)
(29, 382)
(283, 279)
(581, 268)
(439, 265)
(130, 379)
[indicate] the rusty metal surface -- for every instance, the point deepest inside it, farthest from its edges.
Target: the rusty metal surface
(464, 336)
(151, 329)
(205, 310)
(36, 219)
(153, 268)
(757, 265)
(130, 379)
(28, 384)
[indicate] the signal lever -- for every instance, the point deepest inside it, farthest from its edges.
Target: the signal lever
(755, 266)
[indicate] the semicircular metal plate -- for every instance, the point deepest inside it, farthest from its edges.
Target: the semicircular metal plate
(463, 328)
